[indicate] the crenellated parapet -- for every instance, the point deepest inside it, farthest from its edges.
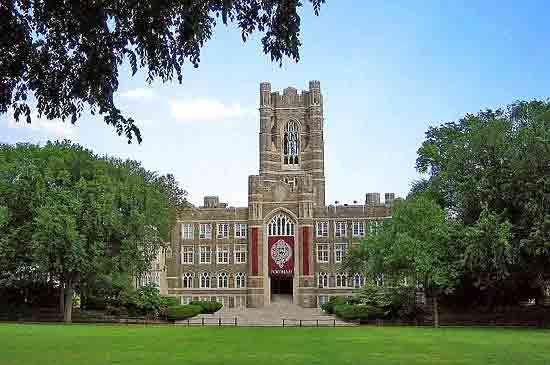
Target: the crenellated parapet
(290, 97)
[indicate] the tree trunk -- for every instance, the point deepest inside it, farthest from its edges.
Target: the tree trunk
(67, 315)
(436, 311)
(61, 300)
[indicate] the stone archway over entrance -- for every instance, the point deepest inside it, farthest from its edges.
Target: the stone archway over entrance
(281, 248)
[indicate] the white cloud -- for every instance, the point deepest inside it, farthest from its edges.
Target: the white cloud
(43, 125)
(139, 93)
(206, 110)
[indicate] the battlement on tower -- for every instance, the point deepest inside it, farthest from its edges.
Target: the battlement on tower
(290, 96)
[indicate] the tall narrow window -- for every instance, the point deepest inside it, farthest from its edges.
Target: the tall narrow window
(205, 280)
(323, 252)
(339, 229)
(186, 254)
(358, 280)
(205, 255)
(341, 280)
(291, 143)
(240, 230)
(205, 231)
(240, 254)
(223, 281)
(187, 280)
(340, 250)
(358, 229)
(223, 230)
(223, 254)
(322, 280)
(240, 280)
(187, 231)
(322, 229)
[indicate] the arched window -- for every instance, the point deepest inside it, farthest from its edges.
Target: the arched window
(188, 280)
(240, 280)
(322, 280)
(341, 280)
(205, 280)
(222, 280)
(291, 143)
(358, 281)
(281, 225)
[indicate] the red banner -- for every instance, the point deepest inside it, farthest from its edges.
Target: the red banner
(281, 255)
(254, 251)
(305, 256)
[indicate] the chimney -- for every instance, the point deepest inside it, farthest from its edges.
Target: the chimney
(211, 201)
(372, 199)
(389, 198)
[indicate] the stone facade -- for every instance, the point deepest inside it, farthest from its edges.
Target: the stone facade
(223, 253)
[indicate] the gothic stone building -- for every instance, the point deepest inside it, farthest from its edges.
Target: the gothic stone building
(287, 241)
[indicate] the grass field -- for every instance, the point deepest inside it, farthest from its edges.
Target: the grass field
(164, 345)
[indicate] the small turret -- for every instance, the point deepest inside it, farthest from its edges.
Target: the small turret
(265, 94)
(314, 92)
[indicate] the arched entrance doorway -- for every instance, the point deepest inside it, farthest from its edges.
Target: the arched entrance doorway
(281, 255)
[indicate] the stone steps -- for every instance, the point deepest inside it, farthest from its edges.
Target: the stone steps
(269, 315)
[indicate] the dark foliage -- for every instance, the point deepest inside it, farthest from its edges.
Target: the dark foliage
(359, 312)
(180, 312)
(490, 171)
(329, 306)
(208, 307)
(67, 54)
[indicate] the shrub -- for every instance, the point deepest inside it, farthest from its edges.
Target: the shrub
(208, 307)
(360, 312)
(168, 301)
(148, 299)
(411, 312)
(180, 312)
(144, 301)
(116, 311)
(328, 307)
(95, 303)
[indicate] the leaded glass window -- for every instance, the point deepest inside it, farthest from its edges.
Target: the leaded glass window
(291, 143)
(281, 225)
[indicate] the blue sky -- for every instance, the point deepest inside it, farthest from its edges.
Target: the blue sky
(388, 71)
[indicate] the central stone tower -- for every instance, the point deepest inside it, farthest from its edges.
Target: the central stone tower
(291, 137)
(282, 198)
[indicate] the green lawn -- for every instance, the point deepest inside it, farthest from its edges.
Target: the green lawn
(24, 344)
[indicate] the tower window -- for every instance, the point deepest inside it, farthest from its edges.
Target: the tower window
(291, 143)
(281, 225)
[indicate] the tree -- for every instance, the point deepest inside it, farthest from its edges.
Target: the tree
(67, 54)
(74, 216)
(417, 243)
(488, 251)
(491, 170)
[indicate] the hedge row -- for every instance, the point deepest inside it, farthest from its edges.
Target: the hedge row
(360, 312)
(180, 312)
(208, 307)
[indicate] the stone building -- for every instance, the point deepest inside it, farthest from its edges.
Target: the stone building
(287, 242)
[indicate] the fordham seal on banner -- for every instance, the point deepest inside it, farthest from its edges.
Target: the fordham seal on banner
(281, 252)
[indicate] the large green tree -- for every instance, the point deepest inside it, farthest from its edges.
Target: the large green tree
(492, 171)
(418, 243)
(67, 54)
(71, 214)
